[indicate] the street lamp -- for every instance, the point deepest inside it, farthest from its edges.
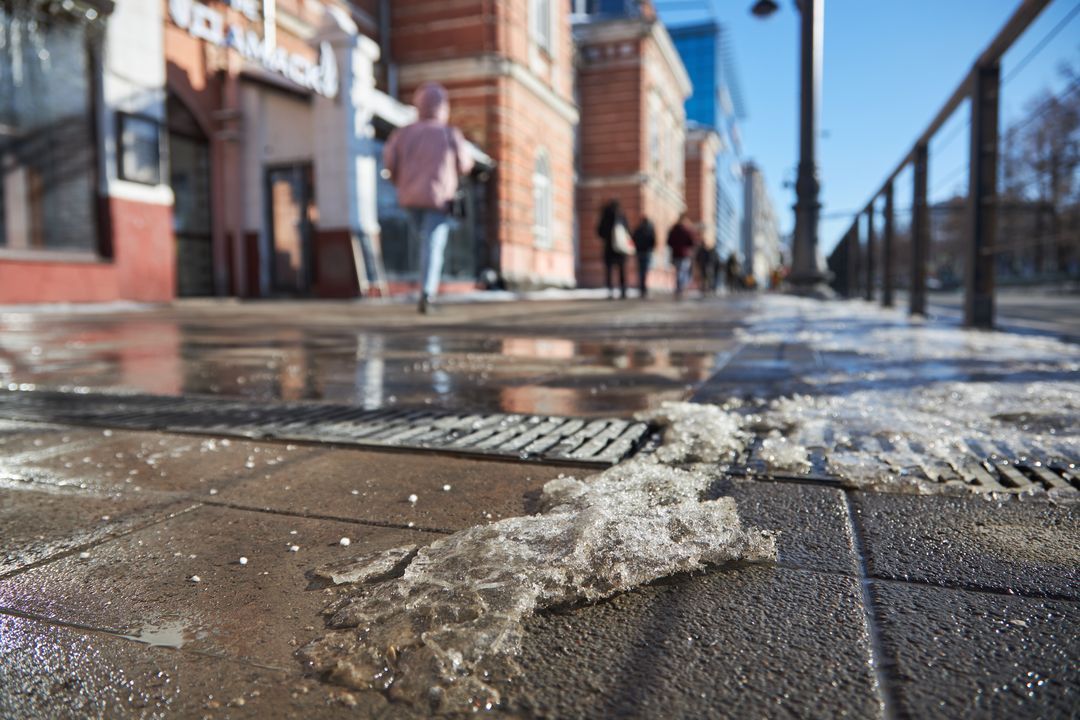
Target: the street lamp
(808, 276)
(764, 8)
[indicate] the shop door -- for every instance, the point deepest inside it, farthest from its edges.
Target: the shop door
(189, 174)
(289, 205)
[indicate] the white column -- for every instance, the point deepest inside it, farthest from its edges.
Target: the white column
(345, 164)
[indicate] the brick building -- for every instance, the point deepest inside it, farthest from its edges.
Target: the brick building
(232, 147)
(509, 69)
(158, 148)
(78, 223)
(631, 90)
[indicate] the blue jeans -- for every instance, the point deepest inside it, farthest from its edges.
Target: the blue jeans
(682, 274)
(433, 229)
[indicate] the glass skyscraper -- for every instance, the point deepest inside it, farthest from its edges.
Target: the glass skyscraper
(716, 104)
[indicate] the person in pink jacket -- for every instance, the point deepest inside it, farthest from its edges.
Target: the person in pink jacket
(425, 160)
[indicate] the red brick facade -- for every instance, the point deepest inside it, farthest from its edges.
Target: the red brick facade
(631, 87)
(513, 98)
(142, 266)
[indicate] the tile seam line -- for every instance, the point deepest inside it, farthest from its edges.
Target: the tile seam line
(329, 518)
(954, 587)
(56, 622)
(878, 657)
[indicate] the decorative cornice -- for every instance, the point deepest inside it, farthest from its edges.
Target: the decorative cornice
(485, 67)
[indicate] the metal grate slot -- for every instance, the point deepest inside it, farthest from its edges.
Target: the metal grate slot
(590, 442)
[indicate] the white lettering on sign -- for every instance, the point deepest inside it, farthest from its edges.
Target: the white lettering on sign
(205, 23)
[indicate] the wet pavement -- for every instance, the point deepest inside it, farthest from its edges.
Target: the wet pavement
(556, 358)
(123, 593)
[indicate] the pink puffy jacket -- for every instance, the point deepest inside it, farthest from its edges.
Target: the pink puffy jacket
(426, 158)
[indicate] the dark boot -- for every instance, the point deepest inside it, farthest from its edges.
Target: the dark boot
(425, 304)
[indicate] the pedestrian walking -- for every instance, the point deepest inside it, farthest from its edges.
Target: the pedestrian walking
(645, 243)
(613, 230)
(731, 273)
(708, 264)
(681, 241)
(425, 160)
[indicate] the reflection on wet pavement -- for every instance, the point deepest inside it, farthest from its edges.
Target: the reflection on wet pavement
(559, 358)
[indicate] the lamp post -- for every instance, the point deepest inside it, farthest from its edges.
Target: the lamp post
(808, 275)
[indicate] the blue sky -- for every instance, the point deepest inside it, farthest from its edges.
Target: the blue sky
(888, 67)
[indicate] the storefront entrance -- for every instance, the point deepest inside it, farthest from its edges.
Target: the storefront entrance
(289, 202)
(189, 159)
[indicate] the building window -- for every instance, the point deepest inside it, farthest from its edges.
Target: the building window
(543, 205)
(48, 144)
(540, 23)
(138, 140)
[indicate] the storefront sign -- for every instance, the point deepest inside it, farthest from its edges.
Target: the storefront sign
(206, 23)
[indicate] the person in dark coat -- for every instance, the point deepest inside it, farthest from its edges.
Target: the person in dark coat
(731, 272)
(611, 216)
(709, 264)
(681, 241)
(644, 243)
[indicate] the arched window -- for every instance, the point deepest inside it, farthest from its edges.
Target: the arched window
(543, 204)
(540, 23)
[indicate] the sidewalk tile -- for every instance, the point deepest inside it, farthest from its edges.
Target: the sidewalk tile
(1017, 547)
(958, 654)
(749, 641)
(142, 582)
(63, 673)
(38, 525)
(813, 523)
(108, 461)
(376, 486)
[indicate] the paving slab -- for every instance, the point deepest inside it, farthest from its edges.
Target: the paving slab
(40, 525)
(18, 437)
(61, 672)
(142, 584)
(812, 522)
(118, 461)
(960, 654)
(751, 641)
(1018, 547)
(376, 486)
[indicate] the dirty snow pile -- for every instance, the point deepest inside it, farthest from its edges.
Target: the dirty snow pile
(438, 625)
(895, 403)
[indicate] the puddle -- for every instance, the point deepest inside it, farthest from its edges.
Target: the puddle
(444, 632)
(168, 633)
(613, 365)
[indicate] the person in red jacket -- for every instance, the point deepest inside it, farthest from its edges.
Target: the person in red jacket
(681, 241)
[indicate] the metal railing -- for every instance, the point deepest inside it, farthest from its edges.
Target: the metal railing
(857, 262)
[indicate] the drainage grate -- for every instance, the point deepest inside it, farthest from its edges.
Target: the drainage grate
(1015, 477)
(991, 475)
(594, 441)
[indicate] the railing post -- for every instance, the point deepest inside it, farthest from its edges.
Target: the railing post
(920, 231)
(982, 198)
(851, 267)
(887, 250)
(869, 289)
